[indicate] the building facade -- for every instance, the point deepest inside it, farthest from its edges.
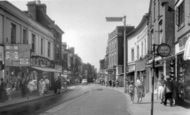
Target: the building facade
(115, 52)
(137, 53)
(37, 11)
(160, 30)
(182, 49)
(27, 50)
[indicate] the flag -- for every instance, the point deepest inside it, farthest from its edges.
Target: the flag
(114, 19)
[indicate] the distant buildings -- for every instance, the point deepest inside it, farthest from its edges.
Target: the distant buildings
(137, 53)
(115, 52)
(167, 22)
(31, 49)
(28, 41)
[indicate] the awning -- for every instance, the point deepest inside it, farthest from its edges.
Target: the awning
(186, 55)
(126, 73)
(47, 69)
(140, 65)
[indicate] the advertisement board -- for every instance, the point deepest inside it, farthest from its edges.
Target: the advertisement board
(17, 55)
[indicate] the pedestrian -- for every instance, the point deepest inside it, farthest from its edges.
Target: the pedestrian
(132, 91)
(3, 94)
(168, 91)
(161, 89)
(139, 87)
(47, 84)
(174, 92)
(42, 86)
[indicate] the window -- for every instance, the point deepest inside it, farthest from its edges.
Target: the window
(13, 33)
(49, 50)
(180, 15)
(160, 34)
(154, 10)
(138, 52)
(25, 38)
(132, 54)
(42, 45)
(145, 47)
(142, 47)
(33, 42)
(158, 9)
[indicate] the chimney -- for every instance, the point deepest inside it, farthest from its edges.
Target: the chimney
(38, 2)
(32, 7)
(42, 7)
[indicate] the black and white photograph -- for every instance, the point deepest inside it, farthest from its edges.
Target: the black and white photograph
(94, 57)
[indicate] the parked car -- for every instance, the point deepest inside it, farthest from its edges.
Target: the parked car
(84, 81)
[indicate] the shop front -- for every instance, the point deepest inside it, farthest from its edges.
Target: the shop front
(141, 73)
(183, 69)
(44, 69)
(131, 73)
(17, 64)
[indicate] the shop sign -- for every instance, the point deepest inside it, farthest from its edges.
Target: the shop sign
(41, 61)
(163, 50)
(131, 68)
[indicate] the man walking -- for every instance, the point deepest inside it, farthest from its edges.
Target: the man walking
(168, 91)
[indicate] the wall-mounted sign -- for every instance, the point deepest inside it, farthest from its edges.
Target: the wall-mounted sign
(163, 50)
(17, 55)
(41, 62)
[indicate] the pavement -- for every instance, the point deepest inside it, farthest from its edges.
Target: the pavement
(24, 100)
(144, 108)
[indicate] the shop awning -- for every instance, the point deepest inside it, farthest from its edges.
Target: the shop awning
(140, 65)
(47, 69)
(126, 73)
(187, 50)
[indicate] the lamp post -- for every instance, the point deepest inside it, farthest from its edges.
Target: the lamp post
(119, 19)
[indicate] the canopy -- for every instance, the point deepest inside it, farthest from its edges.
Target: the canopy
(47, 69)
(186, 55)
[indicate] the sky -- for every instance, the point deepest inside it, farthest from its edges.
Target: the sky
(84, 24)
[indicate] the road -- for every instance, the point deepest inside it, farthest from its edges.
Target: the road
(90, 100)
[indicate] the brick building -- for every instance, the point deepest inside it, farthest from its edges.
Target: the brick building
(115, 52)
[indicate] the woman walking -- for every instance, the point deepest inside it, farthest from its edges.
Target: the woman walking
(139, 90)
(132, 91)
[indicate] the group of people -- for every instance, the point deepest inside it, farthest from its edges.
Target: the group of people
(140, 90)
(167, 90)
(112, 83)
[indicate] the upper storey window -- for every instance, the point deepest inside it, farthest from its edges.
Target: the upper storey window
(180, 15)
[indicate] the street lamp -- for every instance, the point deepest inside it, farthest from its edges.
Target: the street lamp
(119, 19)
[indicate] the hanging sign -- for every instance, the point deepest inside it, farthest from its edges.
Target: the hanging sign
(163, 50)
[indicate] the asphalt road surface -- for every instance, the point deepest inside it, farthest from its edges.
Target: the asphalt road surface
(90, 100)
